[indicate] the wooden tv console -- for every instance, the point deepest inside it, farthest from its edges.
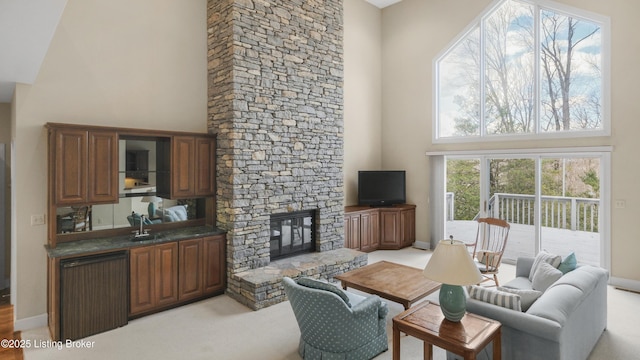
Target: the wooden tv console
(385, 228)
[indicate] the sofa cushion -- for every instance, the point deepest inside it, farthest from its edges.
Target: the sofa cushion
(545, 276)
(568, 264)
(501, 298)
(519, 283)
(316, 284)
(527, 297)
(543, 257)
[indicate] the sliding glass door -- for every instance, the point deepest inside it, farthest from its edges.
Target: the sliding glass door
(552, 202)
(570, 207)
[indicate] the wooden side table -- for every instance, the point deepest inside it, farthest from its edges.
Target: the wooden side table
(467, 337)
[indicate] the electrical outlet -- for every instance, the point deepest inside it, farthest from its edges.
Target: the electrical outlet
(620, 204)
(37, 220)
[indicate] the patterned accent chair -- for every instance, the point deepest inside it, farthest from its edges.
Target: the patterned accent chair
(336, 324)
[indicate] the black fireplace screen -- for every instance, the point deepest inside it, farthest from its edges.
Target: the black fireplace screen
(292, 233)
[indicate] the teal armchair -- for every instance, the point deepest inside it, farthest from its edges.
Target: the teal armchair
(336, 324)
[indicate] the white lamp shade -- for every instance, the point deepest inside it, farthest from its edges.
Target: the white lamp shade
(452, 264)
(150, 198)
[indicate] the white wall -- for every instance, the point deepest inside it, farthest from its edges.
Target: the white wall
(362, 93)
(137, 64)
(5, 203)
(415, 31)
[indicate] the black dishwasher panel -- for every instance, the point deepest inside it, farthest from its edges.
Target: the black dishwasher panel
(94, 294)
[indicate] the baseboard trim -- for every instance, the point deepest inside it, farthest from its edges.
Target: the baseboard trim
(422, 245)
(31, 322)
(626, 284)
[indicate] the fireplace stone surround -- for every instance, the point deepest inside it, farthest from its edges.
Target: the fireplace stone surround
(275, 89)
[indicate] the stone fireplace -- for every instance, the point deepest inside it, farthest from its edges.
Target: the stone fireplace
(276, 103)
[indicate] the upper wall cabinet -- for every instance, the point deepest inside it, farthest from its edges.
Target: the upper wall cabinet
(84, 166)
(192, 166)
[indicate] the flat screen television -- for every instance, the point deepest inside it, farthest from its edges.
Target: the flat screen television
(381, 187)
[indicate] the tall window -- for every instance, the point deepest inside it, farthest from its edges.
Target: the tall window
(533, 68)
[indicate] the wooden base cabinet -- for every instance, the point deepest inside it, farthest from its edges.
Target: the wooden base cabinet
(201, 261)
(153, 277)
(368, 229)
(215, 265)
(397, 226)
(177, 272)
(362, 230)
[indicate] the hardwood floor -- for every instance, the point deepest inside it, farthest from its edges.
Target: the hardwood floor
(10, 350)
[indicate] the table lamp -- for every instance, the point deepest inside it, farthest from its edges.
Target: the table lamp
(452, 266)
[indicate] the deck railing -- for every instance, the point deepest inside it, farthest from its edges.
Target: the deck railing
(558, 212)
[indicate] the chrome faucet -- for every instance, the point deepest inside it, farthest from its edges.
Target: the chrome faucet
(142, 231)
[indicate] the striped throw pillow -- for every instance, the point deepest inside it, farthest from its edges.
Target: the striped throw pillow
(495, 297)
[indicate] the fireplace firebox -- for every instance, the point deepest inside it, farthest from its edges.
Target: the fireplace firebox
(292, 233)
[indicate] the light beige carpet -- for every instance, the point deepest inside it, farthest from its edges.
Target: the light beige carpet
(220, 328)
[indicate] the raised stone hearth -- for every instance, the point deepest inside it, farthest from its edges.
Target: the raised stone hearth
(276, 102)
(262, 287)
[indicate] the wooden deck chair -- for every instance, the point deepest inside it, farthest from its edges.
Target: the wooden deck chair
(491, 240)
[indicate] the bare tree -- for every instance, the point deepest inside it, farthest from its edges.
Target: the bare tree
(558, 46)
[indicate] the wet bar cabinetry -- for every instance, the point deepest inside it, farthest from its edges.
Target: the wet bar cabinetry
(110, 177)
(385, 228)
(170, 270)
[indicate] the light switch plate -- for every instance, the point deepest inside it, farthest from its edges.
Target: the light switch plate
(37, 220)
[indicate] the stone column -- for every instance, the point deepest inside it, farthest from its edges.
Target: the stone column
(276, 103)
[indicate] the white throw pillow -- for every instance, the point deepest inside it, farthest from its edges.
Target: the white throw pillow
(527, 297)
(545, 276)
(542, 257)
(495, 297)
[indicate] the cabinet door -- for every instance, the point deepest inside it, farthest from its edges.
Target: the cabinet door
(103, 167)
(214, 264)
(353, 232)
(347, 231)
(142, 279)
(390, 229)
(166, 273)
(365, 232)
(190, 272)
(370, 231)
(182, 166)
(408, 227)
(70, 166)
(205, 177)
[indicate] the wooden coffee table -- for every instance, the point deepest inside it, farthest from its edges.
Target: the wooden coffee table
(398, 283)
(466, 338)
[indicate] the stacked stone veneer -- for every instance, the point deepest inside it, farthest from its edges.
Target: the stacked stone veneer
(276, 102)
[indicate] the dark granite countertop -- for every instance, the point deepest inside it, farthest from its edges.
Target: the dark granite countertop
(123, 242)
